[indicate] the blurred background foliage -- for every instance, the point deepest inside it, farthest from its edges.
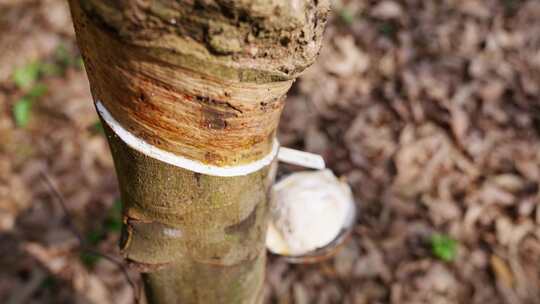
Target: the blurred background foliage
(430, 109)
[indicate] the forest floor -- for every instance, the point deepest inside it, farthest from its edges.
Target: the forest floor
(430, 109)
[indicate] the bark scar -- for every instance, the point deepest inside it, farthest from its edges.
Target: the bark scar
(243, 226)
(145, 267)
(126, 235)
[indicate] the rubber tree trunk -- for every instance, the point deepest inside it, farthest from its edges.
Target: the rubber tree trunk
(203, 81)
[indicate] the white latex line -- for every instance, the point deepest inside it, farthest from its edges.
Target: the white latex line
(179, 161)
(301, 158)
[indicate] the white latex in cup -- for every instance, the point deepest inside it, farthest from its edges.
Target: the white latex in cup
(311, 214)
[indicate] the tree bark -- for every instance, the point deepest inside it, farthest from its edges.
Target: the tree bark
(203, 81)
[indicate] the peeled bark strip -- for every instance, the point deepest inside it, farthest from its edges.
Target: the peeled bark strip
(204, 80)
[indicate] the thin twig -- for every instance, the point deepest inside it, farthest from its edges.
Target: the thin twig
(83, 246)
(24, 293)
(62, 203)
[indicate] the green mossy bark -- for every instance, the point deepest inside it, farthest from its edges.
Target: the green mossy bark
(196, 238)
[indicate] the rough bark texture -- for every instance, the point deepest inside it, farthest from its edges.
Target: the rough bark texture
(205, 80)
(161, 69)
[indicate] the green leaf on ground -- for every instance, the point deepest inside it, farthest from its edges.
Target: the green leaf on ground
(37, 91)
(443, 247)
(66, 57)
(346, 16)
(63, 55)
(94, 237)
(113, 221)
(388, 29)
(113, 224)
(25, 76)
(89, 259)
(97, 128)
(510, 4)
(21, 112)
(49, 282)
(117, 207)
(51, 69)
(80, 63)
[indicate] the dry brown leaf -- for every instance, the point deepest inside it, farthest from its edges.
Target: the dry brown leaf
(502, 271)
